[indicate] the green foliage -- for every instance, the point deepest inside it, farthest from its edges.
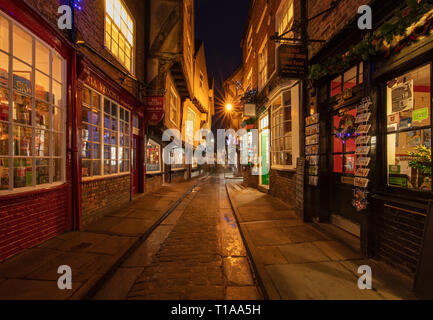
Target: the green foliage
(421, 160)
(374, 44)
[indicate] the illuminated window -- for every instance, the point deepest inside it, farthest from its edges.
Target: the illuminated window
(119, 32)
(409, 130)
(343, 150)
(189, 129)
(249, 43)
(285, 18)
(263, 66)
(281, 130)
(32, 110)
(173, 107)
(153, 157)
(105, 136)
(351, 78)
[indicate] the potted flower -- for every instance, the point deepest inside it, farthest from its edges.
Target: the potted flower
(421, 168)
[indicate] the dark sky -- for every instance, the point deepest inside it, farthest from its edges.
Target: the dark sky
(220, 23)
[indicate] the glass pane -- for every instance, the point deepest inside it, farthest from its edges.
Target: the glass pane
(113, 124)
(85, 132)
(409, 160)
(96, 168)
(85, 168)
(58, 144)
(58, 165)
(86, 150)
(42, 171)
(42, 141)
(86, 96)
(338, 163)
(4, 104)
(96, 119)
(336, 86)
(42, 58)
(96, 101)
(114, 110)
(42, 115)
(4, 139)
(125, 166)
(96, 136)
(349, 163)
(22, 142)
(85, 114)
(106, 137)
(351, 145)
(42, 87)
(58, 122)
(22, 75)
(4, 69)
(57, 94)
(113, 138)
(338, 145)
(125, 153)
(107, 106)
(4, 174)
(22, 45)
(350, 78)
(408, 100)
(22, 109)
(23, 173)
(106, 166)
(96, 151)
(57, 68)
(4, 34)
(113, 166)
(107, 123)
(107, 152)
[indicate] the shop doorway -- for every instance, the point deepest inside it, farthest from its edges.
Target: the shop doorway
(342, 167)
(134, 164)
(264, 151)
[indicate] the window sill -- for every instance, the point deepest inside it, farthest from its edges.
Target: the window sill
(111, 176)
(284, 168)
(30, 190)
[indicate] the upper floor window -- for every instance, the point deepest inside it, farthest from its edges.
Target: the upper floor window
(347, 80)
(263, 65)
(249, 43)
(249, 82)
(281, 130)
(32, 110)
(173, 107)
(119, 32)
(201, 79)
(285, 18)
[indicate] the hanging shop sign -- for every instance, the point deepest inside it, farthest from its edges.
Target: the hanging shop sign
(292, 61)
(154, 109)
(249, 110)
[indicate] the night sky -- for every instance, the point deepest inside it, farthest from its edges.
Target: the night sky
(220, 23)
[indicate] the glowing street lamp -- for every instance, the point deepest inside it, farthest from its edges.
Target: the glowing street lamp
(229, 107)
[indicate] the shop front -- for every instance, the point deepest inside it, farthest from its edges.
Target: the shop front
(36, 71)
(112, 147)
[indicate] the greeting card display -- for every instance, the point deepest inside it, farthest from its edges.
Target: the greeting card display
(314, 129)
(363, 140)
(361, 182)
(364, 117)
(312, 150)
(312, 120)
(363, 129)
(314, 139)
(362, 172)
(363, 161)
(313, 160)
(363, 150)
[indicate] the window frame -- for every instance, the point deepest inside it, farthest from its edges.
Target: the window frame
(262, 62)
(131, 70)
(278, 25)
(101, 142)
(154, 143)
(359, 79)
(34, 99)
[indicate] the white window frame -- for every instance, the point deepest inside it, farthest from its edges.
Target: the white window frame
(279, 27)
(101, 139)
(263, 65)
(63, 108)
(131, 68)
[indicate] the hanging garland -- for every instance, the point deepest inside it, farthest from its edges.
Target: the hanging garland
(346, 127)
(406, 27)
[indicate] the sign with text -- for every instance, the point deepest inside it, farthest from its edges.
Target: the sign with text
(154, 109)
(292, 61)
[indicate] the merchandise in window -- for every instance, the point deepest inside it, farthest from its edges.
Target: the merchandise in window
(409, 130)
(344, 142)
(153, 160)
(32, 110)
(281, 130)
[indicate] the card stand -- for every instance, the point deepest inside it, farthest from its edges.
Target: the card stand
(312, 136)
(363, 146)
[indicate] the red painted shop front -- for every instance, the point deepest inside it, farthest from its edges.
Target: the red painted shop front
(110, 149)
(36, 153)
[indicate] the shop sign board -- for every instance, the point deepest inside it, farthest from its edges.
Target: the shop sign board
(292, 61)
(154, 109)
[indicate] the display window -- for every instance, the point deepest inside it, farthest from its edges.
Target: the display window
(344, 142)
(409, 130)
(32, 110)
(153, 157)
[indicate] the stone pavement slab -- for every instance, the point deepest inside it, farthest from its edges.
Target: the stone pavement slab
(91, 253)
(295, 260)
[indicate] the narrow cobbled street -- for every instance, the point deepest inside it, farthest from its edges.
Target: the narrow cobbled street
(196, 253)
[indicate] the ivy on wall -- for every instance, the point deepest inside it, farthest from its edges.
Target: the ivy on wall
(406, 27)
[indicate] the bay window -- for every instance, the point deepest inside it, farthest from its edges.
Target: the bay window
(409, 130)
(281, 129)
(32, 110)
(105, 136)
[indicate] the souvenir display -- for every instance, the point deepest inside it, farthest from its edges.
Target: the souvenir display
(312, 137)
(314, 129)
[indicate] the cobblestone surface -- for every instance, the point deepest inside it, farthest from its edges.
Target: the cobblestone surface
(203, 257)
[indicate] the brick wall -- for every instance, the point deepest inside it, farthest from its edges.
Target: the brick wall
(400, 238)
(29, 220)
(329, 24)
(283, 185)
(153, 182)
(102, 196)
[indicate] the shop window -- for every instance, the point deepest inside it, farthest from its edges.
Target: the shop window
(409, 130)
(344, 142)
(349, 79)
(177, 159)
(281, 130)
(32, 110)
(119, 32)
(153, 157)
(105, 136)
(263, 66)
